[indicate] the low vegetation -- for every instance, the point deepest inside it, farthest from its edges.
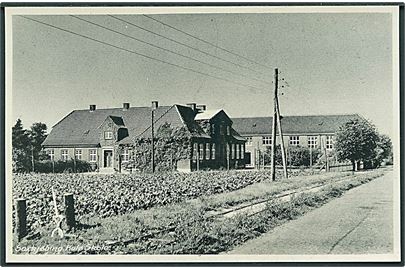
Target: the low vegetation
(110, 195)
(187, 228)
(299, 156)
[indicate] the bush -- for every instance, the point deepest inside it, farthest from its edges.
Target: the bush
(297, 156)
(69, 166)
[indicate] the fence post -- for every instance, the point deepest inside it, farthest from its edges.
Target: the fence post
(70, 211)
(21, 218)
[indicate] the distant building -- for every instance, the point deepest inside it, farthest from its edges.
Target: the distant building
(314, 131)
(106, 137)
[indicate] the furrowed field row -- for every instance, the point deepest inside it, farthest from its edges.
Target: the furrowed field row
(109, 195)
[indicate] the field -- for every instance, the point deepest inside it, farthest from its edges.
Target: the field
(110, 195)
(185, 228)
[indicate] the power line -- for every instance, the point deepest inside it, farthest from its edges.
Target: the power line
(185, 45)
(137, 53)
(168, 50)
(206, 42)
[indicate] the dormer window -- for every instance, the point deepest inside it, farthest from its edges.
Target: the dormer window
(221, 130)
(108, 135)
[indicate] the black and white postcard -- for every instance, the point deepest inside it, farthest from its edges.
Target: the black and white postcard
(225, 134)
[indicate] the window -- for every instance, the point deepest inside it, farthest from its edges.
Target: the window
(221, 130)
(78, 154)
(125, 155)
(228, 130)
(329, 142)
(266, 140)
(294, 140)
(51, 154)
(207, 151)
(249, 141)
(108, 135)
(64, 154)
(312, 141)
(242, 151)
(213, 151)
(238, 151)
(93, 155)
(213, 128)
(201, 151)
(195, 149)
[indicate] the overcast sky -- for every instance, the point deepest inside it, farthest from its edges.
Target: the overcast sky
(333, 63)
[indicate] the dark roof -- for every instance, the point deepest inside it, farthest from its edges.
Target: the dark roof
(117, 120)
(80, 127)
(236, 136)
(177, 116)
(306, 124)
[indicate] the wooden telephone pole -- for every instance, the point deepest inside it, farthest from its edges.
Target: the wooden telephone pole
(273, 131)
(280, 131)
(32, 159)
(153, 138)
(277, 122)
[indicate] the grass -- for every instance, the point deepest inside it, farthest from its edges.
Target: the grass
(193, 233)
(267, 189)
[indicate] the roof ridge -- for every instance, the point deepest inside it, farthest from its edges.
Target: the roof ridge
(104, 109)
(295, 115)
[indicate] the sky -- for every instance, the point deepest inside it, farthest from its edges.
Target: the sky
(329, 64)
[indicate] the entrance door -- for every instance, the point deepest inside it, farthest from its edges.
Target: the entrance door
(248, 158)
(108, 158)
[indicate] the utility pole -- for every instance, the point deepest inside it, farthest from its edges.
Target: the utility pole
(326, 156)
(258, 159)
(228, 153)
(263, 159)
(32, 159)
(280, 131)
(153, 138)
(119, 160)
(198, 156)
(273, 135)
(136, 157)
(74, 160)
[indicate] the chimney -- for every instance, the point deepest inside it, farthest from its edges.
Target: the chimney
(201, 108)
(193, 106)
(125, 106)
(92, 108)
(155, 105)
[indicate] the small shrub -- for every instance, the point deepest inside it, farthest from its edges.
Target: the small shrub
(70, 166)
(297, 156)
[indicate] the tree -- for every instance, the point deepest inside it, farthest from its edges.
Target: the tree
(383, 151)
(37, 136)
(20, 144)
(356, 141)
(27, 145)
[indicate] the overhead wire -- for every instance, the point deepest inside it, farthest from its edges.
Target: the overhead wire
(206, 42)
(185, 45)
(165, 49)
(139, 54)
